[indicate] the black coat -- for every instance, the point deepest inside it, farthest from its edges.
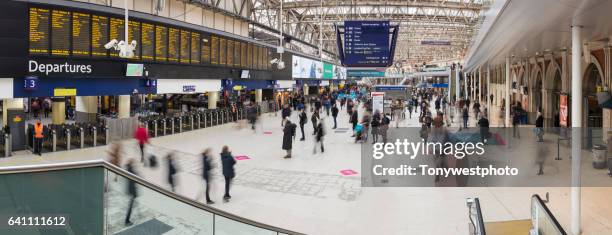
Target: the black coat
(303, 118)
(539, 121)
(334, 111)
(354, 117)
(320, 132)
(131, 185)
(207, 167)
(286, 112)
(288, 133)
(228, 162)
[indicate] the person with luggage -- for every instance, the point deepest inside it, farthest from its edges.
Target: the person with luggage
(142, 137)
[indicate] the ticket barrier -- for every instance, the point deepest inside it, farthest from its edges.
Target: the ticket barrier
(169, 126)
(101, 135)
(161, 127)
(49, 141)
(5, 144)
(209, 118)
(224, 115)
(178, 124)
(90, 134)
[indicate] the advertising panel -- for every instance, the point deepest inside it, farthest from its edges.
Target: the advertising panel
(563, 111)
(306, 68)
(378, 99)
(328, 71)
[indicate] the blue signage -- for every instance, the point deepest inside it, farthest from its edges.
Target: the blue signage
(390, 88)
(151, 83)
(189, 88)
(30, 83)
(366, 43)
(440, 85)
(365, 73)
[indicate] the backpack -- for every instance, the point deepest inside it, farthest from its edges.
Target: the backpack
(153, 161)
(386, 120)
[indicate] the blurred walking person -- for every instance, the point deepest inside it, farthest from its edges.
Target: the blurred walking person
(320, 133)
(131, 190)
(384, 127)
(334, 111)
(228, 162)
(375, 124)
(142, 136)
(483, 123)
(354, 120)
(285, 114)
(114, 156)
(539, 127)
(303, 120)
(314, 119)
(171, 171)
(207, 167)
(288, 136)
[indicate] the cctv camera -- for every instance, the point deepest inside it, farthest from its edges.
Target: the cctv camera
(134, 43)
(281, 65)
(274, 61)
(111, 44)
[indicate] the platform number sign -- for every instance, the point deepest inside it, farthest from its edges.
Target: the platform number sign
(30, 83)
(152, 83)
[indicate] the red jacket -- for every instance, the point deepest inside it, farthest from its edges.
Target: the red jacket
(141, 135)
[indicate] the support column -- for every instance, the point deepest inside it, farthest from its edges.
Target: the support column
(86, 108)
(576, 118)
(507, 92)
(488, 93)
(480, 86)
(473, 86)
(16, 103)
(258, 95)
(213, 97)
(305, 89)
(457, 83)
(58, 106)
(124, 106)
(465, 83)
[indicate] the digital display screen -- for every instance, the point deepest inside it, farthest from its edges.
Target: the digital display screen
(205, 49)
(146, 42)
(134, 35)
(134, 70)
(161, 43)
(222, 51)
(60, 33)
(214, 50)
(366, 43)
(99, 35)
(230, 53)
(39, 31)
(195, 48)
(185, 48)
(81, 32)
(117, 31)
(250, 56)
(173, 44)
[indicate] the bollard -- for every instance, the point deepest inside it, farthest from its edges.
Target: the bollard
(216, 117)
(82, 137)
(180, 124)
(95, 136)
(191, 122)
(205, 119)
(155, 128)
(67, 139)
(54, 140)
(107, 135)
(164, 125)
(199, 119)
(172, 125)
(7, 149)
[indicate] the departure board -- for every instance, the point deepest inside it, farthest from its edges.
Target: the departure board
(214, 50)
(39, 31)
(205, 55)
(237, 54)
(147, 46)
(117, 31)
(161, 43)
(99, 35)
(60, 32)
(222, 51)
(243, 54)
(230, 53)
(81, 32)
(195, 48)
(173, 44)
(261, 57)
(134, 34)
(185, 48)
(256, 57)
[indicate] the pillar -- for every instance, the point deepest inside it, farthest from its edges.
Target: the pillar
(124, 106)
(213, 97)
(58, 106)
(457, 82)
(305, 89)
(86, 108)
(480, 86)
(576, 118)
(507, 92)
(16, 103)
(465, 81)
(488, 93)
(258, 95)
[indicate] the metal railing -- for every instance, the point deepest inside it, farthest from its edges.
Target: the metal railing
(142, 182)
(477, 226)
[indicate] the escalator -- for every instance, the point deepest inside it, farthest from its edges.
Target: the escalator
(543, 222)
(91, 197)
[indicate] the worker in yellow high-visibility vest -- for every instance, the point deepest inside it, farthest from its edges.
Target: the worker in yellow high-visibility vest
(38, 137)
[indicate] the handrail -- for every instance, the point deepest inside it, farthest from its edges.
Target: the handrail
(141, 181)
(475, 203)
(548, 214)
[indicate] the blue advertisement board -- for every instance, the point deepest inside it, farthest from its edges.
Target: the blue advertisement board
(366, 43)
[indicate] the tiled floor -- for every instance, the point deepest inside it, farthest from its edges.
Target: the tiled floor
(309, 194)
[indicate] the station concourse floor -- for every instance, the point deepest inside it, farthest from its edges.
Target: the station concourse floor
(308, 194)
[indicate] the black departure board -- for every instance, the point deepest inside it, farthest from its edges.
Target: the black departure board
(243, 55)
(222, 51)
(147, 46)
(268, 58)
(195, 48)
(161, 43)
(39, 31)
(185, 48)
(81, 32)
(205, 55)
(173, 44)
(230, 53)
(60, 33)
(214, 50)
(237, 54)
(99, 35)
(134, 35)
(117, 31)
